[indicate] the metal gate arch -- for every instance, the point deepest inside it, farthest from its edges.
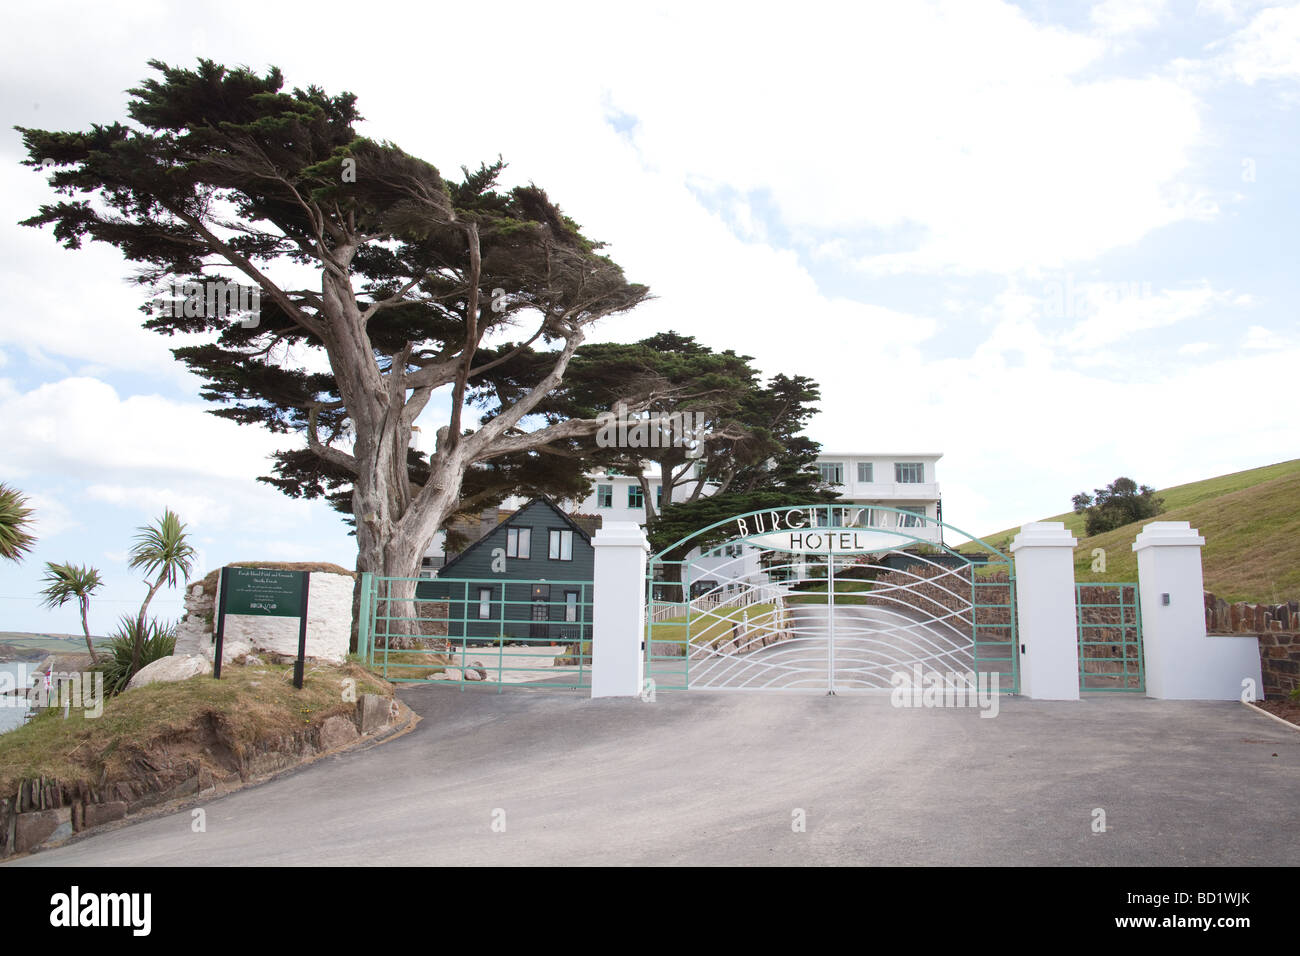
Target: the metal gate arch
(846, 605)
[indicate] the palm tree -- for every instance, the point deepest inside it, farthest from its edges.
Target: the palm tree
(161, 547)
(66, 581)
(15, 521)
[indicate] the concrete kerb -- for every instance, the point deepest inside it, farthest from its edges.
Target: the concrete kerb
(1260, 710)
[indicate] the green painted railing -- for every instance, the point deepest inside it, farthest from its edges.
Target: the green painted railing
(1109, 620)
(522, 633)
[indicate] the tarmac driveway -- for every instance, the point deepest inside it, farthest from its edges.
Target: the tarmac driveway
(718, 778)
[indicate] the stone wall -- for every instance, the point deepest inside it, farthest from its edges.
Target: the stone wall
(1279, 656)
(1243, 618)
(329, 623)
(1277, 626)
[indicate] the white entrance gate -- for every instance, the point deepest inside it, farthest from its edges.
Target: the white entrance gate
(819, 598)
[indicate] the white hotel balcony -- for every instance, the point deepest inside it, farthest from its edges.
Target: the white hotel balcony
(885, 491)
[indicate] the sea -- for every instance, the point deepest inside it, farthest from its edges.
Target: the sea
(13, 675)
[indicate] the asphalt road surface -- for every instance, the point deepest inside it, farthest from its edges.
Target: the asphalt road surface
(720, 778)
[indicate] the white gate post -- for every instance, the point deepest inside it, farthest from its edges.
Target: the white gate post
(618, 612)
(1045, 612)
(1182, 662)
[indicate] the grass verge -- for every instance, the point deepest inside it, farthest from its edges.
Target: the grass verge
(249, 703)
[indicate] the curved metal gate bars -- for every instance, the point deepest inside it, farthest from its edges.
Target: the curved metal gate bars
(821, 598)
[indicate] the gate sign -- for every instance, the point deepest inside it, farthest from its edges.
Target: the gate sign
(261, 591)
(796, 530)
(826, 541)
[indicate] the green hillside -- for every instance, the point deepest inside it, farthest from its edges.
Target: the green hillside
(1250, 521)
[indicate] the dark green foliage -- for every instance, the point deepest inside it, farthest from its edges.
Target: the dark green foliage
(222, 174)
(156, 640)
(1121, 502)
(754, 453)
(16, 538)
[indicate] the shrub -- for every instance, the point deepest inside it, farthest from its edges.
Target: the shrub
(1121, 502)
(157, 640)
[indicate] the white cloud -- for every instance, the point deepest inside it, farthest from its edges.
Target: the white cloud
(195, 510)
(1116, 310)
(962, 130)
(81, 427)
(1267, 48)
(1258, 337)
(1127, 16)
(50, 517)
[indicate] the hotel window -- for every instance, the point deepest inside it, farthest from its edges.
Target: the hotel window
(518, 542)
(864, 472)
(571, 606)
(604, 496)
(866, 518)
(832, 472)
(909, 472)
(484, 603)
(911, 517)
(659, 496)
(635, 499)
(561, 545)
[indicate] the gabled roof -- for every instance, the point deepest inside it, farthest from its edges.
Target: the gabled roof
(511, 520)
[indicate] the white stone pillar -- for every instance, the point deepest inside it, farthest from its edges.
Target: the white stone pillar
(618, 612)
(1045, 611)
(1182, 662)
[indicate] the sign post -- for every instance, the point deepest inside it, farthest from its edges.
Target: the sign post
(302, 632)
(263, 592)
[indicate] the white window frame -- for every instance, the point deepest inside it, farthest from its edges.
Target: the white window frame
(898, 472)
(563, 537)
(570, 607)
(836, 470)
(514, 538)
(865, 468)
(485, 604)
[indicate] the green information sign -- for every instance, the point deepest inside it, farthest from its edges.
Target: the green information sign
(263, 592)
(260, 591)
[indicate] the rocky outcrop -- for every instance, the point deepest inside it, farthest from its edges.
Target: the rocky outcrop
(168, 669)
(329, 623)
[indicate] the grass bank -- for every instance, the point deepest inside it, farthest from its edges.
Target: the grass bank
(214, 722)
(1251, 524)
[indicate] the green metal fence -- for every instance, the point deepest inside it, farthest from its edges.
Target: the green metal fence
(1110, 637)
(531, 634)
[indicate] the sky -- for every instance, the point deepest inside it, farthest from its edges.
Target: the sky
(1056, 242)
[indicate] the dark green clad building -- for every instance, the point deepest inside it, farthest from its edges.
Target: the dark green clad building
(527, 579)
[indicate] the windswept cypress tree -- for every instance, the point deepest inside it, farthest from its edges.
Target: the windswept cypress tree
(414, 283)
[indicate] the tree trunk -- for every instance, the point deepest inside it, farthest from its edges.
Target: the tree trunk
(139, 623)
(671, 585)
(85, 626)
(391, 541)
